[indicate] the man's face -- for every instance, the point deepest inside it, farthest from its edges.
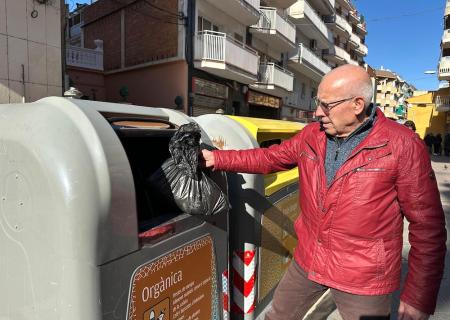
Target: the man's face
(339, 119)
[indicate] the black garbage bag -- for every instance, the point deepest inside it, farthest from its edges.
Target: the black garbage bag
(182, 181)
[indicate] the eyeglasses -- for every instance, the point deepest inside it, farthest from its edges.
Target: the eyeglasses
(327, 106)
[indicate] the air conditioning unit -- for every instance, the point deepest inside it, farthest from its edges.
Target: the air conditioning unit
(313, 44)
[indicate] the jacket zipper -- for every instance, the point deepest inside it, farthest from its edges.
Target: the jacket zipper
(371, 169)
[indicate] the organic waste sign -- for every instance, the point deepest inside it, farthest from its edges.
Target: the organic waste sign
(180, 285)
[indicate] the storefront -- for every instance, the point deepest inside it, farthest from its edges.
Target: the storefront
(263, 106)
(209, 96)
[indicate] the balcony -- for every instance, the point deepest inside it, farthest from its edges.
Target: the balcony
(340, 26)
(245, 11)
(354, 41)
(444, 85)
(311, 24)
(346, 5)
(443, 103)
(337, 55)
(283, 4)
(221, 55)
(275, 30)
(354, 17)
(446, 39)
(361, 28)
(308, 63)
(444, 68)
(84, 58)
(362, 50)
(325, 7)
(274, 80)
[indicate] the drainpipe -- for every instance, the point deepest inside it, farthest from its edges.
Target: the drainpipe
(190, 30)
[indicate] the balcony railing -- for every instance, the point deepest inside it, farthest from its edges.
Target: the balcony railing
(219, 47)
(271, 20)
(446, 37)
(84, 58)
(343, 24)
(304, 54)
(443, 103)
(301, 100)
(444, 84)
(302, 8)
(340, 52)
(354, 15)
(272, 74)
(444, 68)
(362, 49)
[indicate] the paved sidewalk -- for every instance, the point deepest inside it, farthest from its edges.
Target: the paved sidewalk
(441, 166)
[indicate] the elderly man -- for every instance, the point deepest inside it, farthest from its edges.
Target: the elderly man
(360, 173)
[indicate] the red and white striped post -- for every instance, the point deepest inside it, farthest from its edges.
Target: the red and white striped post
(244, 281)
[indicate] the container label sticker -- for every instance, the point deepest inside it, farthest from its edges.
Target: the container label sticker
(181, 285)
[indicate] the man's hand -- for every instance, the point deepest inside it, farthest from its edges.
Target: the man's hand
(407, 312)
(207, 159)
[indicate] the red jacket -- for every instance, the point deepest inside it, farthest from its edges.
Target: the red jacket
(350, 233)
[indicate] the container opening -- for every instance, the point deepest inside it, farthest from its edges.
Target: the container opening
(146, 144)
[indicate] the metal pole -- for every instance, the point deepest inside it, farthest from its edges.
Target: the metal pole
(190, 30)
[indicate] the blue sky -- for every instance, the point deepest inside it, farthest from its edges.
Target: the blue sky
(403, 36)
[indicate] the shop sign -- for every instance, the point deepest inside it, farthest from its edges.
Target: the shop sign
(263, 99)
(210, 89)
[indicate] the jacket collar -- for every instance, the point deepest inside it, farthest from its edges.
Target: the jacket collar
(375, 143)
(317, 139)
(373, 147)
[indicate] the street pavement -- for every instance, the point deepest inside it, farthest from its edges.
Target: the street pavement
(441, 166)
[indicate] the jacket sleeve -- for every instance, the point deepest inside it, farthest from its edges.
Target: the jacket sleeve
(420, 202)
(260, 160)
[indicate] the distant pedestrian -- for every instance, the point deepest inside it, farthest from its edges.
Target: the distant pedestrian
(438, 145)
(447, 144)
(429, 141)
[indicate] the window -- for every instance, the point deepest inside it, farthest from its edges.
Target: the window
(302, 91)
(205, 24)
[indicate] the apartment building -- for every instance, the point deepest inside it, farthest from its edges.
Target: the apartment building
(261, 58)
(442, 97)
(30, 50)
(437, 117)
(391, 93)
(330, 33)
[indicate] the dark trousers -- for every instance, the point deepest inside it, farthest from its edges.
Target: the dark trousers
(295, 295)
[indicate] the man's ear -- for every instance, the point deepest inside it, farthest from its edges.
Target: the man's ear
(359, 106)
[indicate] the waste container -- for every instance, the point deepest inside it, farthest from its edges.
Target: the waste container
(264, 207)
(80, 236)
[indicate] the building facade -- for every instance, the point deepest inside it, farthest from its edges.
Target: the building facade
(249, 57)
(30, 50)
(391, 93)
(442, 96)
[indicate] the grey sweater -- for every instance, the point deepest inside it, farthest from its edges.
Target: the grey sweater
(338, 149)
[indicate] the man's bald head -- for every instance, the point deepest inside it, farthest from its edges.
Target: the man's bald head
(351, 81)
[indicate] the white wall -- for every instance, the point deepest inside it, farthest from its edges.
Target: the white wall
(226, 23)
(34, 43)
